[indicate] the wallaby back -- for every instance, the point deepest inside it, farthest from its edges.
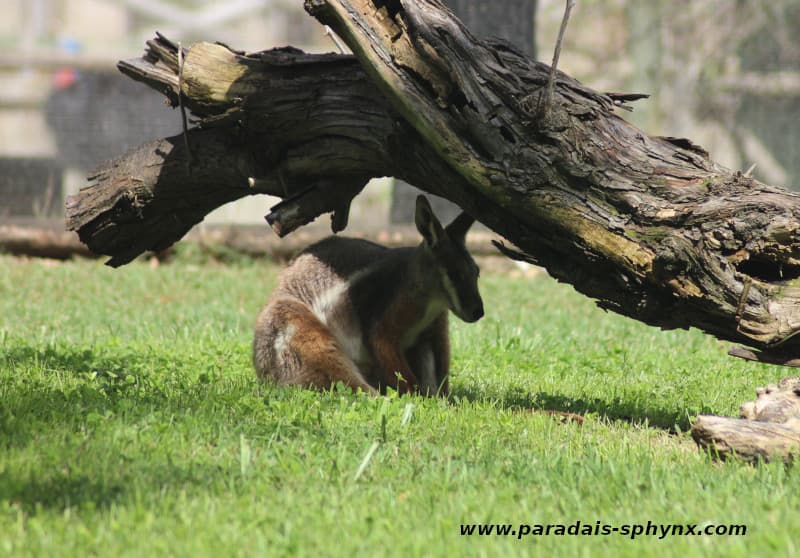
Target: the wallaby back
(369, 316)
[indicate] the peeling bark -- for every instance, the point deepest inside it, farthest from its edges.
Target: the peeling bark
(649, 226)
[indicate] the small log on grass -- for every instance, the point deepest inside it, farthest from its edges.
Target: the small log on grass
(768, 430)
(651, 227)
(40, 242)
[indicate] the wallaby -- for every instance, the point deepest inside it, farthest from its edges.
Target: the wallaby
(369, 316)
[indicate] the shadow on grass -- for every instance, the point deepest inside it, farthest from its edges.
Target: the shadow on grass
(57, 492)
(71, 422)
(672, 419)
(76, 361)
(92, 384)
(91, 489)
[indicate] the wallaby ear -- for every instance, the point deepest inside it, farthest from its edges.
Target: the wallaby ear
(427, 224)
(458, 228)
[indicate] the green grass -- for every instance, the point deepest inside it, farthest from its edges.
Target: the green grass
(131, 424)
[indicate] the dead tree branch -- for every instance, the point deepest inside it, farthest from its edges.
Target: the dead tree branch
(649, 226)
(769, 427)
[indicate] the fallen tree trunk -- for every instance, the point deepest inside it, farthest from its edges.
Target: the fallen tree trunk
(651, 227)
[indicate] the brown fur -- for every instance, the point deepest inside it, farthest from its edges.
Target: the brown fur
(351, 311)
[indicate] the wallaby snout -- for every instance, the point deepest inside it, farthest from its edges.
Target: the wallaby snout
(468, 310)
(475, 313)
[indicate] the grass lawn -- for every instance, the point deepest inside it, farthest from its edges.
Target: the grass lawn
(131, 424)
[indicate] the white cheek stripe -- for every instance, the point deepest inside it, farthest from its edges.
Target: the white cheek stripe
(452, 294)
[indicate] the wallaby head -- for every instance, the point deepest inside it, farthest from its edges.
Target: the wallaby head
(446, 251)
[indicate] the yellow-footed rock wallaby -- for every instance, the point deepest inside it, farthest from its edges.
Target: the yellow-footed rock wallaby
(369, 316)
